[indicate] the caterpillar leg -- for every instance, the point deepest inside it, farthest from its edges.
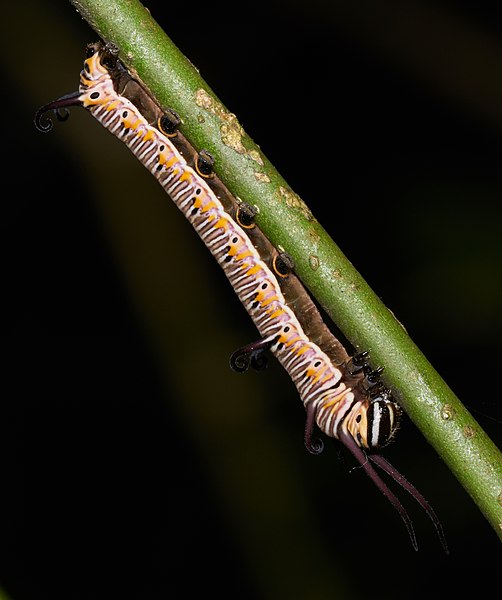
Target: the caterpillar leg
(251, 355)
(313, 445)
(360, 363)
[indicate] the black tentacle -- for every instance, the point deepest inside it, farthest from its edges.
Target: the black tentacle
(251, 356)
(59, 107)
(313, 445)
(386, 466)
(349, 442)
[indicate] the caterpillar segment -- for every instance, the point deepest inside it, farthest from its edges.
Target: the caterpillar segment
(342, 396)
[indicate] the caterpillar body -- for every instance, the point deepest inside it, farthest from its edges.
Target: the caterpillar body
(342, 396)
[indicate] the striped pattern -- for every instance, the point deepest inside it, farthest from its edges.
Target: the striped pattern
(341, 395)
(340, 399)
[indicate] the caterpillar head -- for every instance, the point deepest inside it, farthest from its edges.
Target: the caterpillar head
(374, 422)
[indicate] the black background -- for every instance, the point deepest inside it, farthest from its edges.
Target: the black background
(135, 464)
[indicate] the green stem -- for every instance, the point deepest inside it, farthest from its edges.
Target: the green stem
(330, 277)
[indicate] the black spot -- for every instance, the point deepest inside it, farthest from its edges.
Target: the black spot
(205, 163)
(169, 123)
(283, 264)
(245, 215)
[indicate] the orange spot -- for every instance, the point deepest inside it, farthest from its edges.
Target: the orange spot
(302, 350)
(170, 162)
(147, 134)
(209, 206)
(129, 124)
(294, 340)
(277, 313)
(289, 341)
(269, 300)
(221, 223)
(244, 254)
(254, 270)
(113, 105)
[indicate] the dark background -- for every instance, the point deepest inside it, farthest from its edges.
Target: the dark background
(135, 464)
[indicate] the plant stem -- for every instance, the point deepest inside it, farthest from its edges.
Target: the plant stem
(358, 312)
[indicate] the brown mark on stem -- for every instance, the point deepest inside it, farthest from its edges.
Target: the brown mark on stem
(314, 262)
(469, 431)
(262, 177)
(447, 412)
(294, 201)
(231, 131)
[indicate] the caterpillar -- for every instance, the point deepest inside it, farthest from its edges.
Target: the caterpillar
(343, 397)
